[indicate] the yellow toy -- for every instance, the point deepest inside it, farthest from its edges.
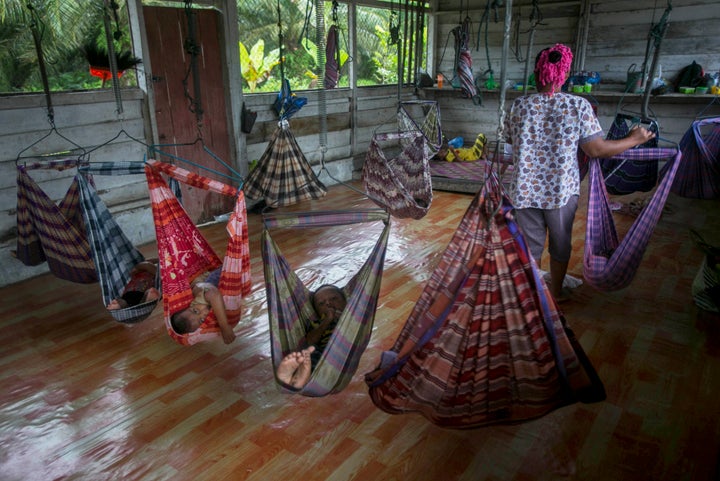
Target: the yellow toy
(468, 154)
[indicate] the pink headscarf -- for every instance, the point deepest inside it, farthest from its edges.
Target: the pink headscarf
(552, 66)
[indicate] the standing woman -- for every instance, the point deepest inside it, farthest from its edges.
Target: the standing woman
(545, 130)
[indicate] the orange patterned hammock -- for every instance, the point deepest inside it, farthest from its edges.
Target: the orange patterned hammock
(184, 254)
(485, 343)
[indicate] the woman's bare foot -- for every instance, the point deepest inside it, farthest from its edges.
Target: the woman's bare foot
(288, 366)
(304, 370)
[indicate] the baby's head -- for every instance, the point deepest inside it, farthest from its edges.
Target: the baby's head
(189, 320)
(329, 301)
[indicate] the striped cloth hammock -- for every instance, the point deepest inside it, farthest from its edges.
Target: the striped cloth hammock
(79, 238)
(700, 176)
(422, 115)
(332, 64)
(485, 343)
(624, 175)
(113, 254)
(400, 184)
(283, 175)
(53, 232)
(184, 254)
(608, 263)
(464, 61)
(290, 305)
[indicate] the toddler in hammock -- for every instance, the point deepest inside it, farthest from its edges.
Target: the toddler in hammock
(295, 369)
(140, 288)
(206, 298)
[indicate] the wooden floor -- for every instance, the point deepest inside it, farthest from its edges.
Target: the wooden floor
(85, 398)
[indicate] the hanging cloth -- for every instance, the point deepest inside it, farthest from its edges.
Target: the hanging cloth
(400, 184)
(422, 115)
(290, 305)
(184, 254)
(608, 263)
(700, 176)
(283, 175)
(464, 61)
(332, 66)
(113, 254)
(485, 343)
(624, 175)
(52, 232)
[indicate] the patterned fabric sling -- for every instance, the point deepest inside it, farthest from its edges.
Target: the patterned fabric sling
(184, 254)
(290, 305)
(50, 232)
(332, 65)
(700, 176)
(113, 253)
(485, 343)
(625, 175)
(424, 116)
(283, 175)
(401, 183)
(608, 263)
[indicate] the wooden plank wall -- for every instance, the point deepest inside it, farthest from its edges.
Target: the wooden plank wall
(89, 119)
(617, 37)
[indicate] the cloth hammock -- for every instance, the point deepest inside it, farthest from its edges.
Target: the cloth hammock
(400, 184)
(53, 232)
(422, 115)
(332, 66)
(700, 176)
(624, 175)
(79, 238)
(464, 61)
(283, 175)
(608, 263)
(113, 254)
(184, 254)
(290, 305)
(485, 343)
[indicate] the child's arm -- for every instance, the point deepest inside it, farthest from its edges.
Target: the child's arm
(213, 296)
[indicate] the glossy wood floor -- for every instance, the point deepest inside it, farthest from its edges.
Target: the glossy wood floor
(85, 398)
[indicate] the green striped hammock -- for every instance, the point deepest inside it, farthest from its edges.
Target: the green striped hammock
(290, 307)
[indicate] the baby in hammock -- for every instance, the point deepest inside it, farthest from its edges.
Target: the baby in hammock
(140, 288)
(206, 298)
(295, 368)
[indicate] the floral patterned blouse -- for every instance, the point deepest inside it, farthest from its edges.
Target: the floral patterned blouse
(545, 132)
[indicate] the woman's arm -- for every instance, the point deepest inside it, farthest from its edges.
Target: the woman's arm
(214, 298)
(602, 148)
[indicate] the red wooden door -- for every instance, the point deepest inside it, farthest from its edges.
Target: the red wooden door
(183, 128)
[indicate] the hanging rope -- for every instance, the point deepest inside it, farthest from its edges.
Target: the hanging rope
(193, 49)
(38, 29)
(112, 58)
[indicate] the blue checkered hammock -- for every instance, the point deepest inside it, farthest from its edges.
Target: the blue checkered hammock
(396, 173)
(49, 232)
(485, 343)
(424, 116)
(113, 253)
(624, 175)
(699, 177)
(610, 264)
(290, 305)
(283, 175)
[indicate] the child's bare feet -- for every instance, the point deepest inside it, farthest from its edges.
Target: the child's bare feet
(152, 294)
(115, 304)
(288, 366)
(304, 370)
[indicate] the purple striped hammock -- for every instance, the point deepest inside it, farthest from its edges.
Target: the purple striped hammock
(485, 343)
(700, 176)
(610, 264)
(290, 306)
(396, 173)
